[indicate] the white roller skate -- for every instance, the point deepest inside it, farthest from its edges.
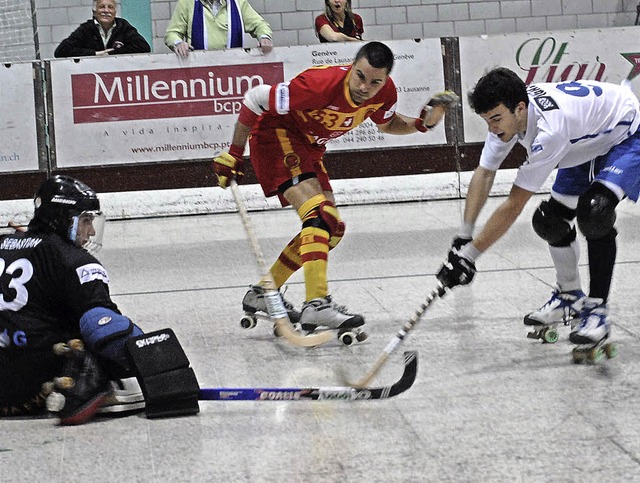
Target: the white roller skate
(562, 308)
(591, 335)
(126, 396)
(324, 313)
(255, 308)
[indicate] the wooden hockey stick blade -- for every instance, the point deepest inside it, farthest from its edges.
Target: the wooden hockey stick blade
(365, 380)
(276, 309)
(287, 332)
(338, 393)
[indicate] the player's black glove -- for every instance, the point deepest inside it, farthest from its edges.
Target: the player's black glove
(459, 242)
(457, 270)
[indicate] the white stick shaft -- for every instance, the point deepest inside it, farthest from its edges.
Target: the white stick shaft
(275, 306)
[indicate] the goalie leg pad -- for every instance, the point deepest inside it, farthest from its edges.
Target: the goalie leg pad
(169, 385)
(105, 333)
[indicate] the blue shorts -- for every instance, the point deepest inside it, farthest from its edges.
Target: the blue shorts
(620, 166)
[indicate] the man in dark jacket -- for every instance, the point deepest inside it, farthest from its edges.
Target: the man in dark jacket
(104, 34)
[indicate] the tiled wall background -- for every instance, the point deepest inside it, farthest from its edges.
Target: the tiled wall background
(292, 20)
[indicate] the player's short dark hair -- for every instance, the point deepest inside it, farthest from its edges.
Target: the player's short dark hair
(498, 86)
(377, 54)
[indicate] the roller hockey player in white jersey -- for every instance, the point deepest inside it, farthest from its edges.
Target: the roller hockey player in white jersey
(588, 130)
(55, 294)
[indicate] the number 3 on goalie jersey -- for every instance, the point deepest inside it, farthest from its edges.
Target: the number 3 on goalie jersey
(25, 270)
(578, 89)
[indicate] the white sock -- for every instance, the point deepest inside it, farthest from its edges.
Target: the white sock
(565, 260)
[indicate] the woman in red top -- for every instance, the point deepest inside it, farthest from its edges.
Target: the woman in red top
(338, 23)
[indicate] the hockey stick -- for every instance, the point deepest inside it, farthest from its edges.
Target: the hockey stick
(275, 306)
(439, 291)
(317, 393)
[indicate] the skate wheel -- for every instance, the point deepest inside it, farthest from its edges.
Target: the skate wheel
(361, 336)
(610, 350)
(47, 388)
(595, 355)
(550, 336)
(347, 338)
(248, 322)
(76, 345)
(578, 356)
(55, 402)
(61, 349)
(64, 382)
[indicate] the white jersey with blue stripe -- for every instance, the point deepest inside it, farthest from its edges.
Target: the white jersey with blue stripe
(569, 123)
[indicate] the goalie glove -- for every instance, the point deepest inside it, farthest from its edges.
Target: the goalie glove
(228, 166)
(435, 109)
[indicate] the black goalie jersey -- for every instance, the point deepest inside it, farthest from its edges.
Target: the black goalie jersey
(46, 284)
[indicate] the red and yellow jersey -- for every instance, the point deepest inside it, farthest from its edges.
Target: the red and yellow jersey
(316, 105)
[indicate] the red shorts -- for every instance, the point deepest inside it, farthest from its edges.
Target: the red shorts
(278, 157)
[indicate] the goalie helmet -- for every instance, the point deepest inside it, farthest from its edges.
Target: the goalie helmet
(70, 209)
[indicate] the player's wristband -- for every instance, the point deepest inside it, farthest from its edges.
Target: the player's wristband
(420, 125)
(236, 151)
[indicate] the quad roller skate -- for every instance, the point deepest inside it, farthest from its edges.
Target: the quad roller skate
(255, 308)
(591, 335)
(562, 308)
(83, 387)
(324, 314)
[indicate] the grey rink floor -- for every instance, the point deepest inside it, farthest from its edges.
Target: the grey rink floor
(488, 403)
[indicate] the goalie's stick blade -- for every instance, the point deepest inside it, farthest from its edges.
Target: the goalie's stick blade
(339, 393)
(365, 380)
(275, 307)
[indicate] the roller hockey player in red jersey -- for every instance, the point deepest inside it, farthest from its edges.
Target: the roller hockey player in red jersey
(587, 129)
(290, 123)
(54, 293)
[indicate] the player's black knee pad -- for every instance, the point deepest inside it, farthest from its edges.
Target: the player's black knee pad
(551, 221)
(597, 211)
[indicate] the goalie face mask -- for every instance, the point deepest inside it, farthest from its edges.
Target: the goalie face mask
(86, 230)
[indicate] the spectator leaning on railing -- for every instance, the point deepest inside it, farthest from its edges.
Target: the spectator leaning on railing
(215, 25)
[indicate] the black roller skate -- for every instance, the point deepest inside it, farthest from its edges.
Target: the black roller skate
(82, 388)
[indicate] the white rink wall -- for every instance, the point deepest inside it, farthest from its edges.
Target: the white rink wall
(197, 201)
